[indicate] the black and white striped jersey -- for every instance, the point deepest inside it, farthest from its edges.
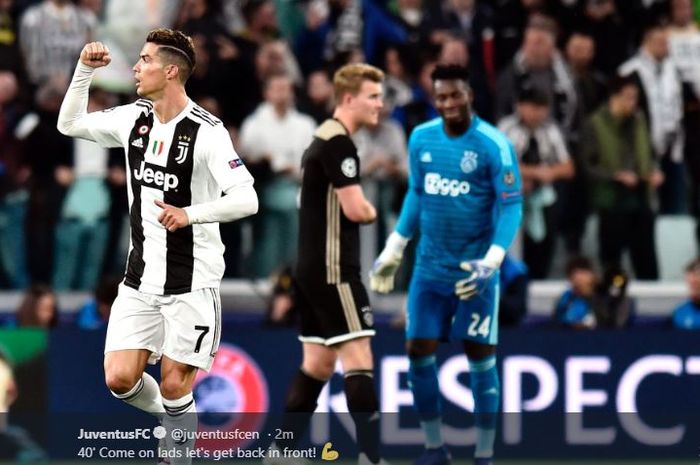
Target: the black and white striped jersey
(187, 161)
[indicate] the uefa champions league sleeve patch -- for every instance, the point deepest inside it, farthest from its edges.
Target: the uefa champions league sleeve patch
(509, 178)
(349, 167)
(235, 163)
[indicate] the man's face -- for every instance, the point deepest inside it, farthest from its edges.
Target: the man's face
(279, 92)
(580, 50)
(538, 48)
(626, 100)
(367, 104)
(149, 71)
(582, 282)
(319, 87)
(656, 43)
(681, 12)
(452, 100)
(532, 114)
(454, 52)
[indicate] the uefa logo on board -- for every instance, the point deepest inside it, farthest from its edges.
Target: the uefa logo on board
(232, 396)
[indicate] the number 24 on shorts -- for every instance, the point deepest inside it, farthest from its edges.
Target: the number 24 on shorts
(479, 327)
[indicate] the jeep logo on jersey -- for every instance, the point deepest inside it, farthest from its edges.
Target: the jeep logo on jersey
(154, 176)
(437, 185)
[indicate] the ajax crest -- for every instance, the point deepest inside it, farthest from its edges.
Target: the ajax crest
(469, 161)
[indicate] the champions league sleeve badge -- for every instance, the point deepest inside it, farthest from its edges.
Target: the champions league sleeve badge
(509, 178)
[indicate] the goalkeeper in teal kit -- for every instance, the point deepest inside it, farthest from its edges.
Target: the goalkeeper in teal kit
(464, 195)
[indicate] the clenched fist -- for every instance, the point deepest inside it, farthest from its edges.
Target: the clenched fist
(95, 55)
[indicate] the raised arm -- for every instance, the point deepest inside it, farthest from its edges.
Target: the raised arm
(72, 119)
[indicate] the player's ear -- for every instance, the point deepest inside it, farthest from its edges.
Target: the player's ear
(172, 71)
(346, 98)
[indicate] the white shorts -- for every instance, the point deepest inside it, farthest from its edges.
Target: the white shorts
(183, 327)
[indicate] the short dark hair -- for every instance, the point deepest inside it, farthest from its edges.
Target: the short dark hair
(653, 25)
(578, 263)
(450, 72)
(617, 83)
(531, 94)
(175, 47)
(544, 23)
(250, 8)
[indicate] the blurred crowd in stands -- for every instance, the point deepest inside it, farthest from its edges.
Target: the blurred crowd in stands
(601, 99)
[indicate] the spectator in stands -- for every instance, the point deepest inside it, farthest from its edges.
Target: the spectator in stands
(412, 15)
(94, 314)
(277, 134)
(123, 24)
(260, 21)
(684, 43)
(510, 21)
(15, 442)
(348, 25)
(13, 188)
(590, 83)
(538, 65)
(472, 21)
(591, 88)
(454, 51)
(397, 80)
(612, 308)
(684, 48)
(117, 238)
(512, 306)
(617, 153)
(383, 162)
(544, 160)
(127, 22)
(574, 309)
(52, 34)
(318, 100)
(10, 56)
(281, 309)
(687, 314)
(38, 309)
(49, 154)
(611, 34)
(221, 70)
(256, 47)
(83, 228)
(272, 58)
(661, 99)
(420, 108)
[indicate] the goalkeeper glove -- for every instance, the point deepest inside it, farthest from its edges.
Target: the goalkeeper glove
(479, 273)
(381, 277)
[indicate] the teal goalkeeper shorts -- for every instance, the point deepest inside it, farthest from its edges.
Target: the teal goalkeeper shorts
(435, 312)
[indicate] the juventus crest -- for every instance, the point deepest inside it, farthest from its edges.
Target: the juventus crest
(183, 148)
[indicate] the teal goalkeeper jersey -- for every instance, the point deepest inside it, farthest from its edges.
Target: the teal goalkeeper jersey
(465, 193)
